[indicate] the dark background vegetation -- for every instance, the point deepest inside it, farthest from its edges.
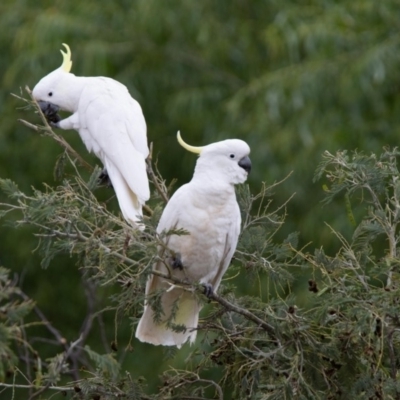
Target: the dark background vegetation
(292, 78)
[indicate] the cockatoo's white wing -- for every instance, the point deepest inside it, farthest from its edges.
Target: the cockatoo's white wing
(231, 241)
(113, 127)
(116, 148)
(131, 110)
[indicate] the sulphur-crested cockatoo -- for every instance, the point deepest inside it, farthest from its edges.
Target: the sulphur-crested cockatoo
(110, 123)
(206, 208)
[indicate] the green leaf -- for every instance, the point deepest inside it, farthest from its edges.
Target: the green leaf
(106, 363)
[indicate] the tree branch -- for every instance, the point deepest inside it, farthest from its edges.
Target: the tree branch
(32, 386)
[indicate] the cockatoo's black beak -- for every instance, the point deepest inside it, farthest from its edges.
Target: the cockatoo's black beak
(50, 111)
(245, 163)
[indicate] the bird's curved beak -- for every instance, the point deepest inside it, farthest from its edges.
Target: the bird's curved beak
(245, 163)
(49, 110)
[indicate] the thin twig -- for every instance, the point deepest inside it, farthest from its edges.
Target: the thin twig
(242, 311)
(157, 181)
(60, 339)
(59, 388)
(392, 355)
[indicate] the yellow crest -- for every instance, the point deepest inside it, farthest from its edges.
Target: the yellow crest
(193, 149)
(67, 63)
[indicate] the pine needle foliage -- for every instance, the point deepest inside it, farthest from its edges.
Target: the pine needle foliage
(13, 309)
(342, 341)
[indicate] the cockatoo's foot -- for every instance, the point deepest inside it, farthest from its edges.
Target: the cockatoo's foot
(208, 289)
(104, 178)
(54, 124)
(50, 112)
(176, 262)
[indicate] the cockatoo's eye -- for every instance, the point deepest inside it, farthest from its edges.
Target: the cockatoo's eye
(231, 155)
(50, 94)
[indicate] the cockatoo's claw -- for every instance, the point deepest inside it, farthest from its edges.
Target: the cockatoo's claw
(208, 289)
(104, 178)
(54, 124)
(176, 261)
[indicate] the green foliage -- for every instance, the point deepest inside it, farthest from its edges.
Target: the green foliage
(13, 309)
(106, 363)
(340, 342)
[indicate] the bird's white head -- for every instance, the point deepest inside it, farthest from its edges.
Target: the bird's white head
(228, 160)
(57, 87)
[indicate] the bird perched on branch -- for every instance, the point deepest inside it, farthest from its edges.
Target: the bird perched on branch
(110, 123)
(207, 209)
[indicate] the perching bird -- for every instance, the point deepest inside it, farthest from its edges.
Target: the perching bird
(110, 123)
(206, 208)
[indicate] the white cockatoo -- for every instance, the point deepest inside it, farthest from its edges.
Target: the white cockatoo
(110, 123)
(207, 209)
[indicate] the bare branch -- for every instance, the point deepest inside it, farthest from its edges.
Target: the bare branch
(158, 182)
